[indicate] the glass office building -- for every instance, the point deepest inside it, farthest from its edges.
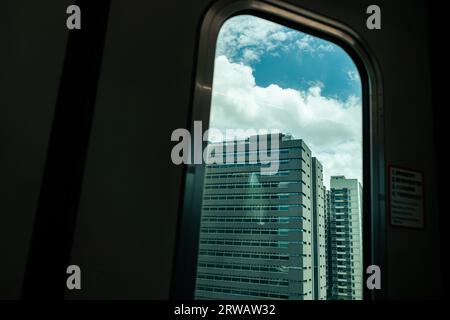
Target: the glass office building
(257, 231)
(346, 239)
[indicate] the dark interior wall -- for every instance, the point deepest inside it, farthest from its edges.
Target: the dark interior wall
(32, 45)
(412, 255)
(126, 226)
(437, 24)
(124, 241)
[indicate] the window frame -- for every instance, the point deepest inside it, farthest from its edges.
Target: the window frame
(374, 211)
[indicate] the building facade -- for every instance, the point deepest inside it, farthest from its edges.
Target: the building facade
(319, 231)
(328, 244)
(256, 231)
(345, 235)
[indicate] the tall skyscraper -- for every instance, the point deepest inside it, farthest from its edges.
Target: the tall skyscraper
(256, 230)
(328, 244)
(346, 238)
(319, 231)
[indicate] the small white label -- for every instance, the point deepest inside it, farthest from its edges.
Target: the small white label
(406, 198)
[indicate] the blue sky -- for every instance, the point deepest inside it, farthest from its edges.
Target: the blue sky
(267, 76)
(298, 70)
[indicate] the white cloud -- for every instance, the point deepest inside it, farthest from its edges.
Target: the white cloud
(305, 44)
(246, 38)
(280, 36)
(331, 128)
(353, 75)
(326, 47)
(250, 55)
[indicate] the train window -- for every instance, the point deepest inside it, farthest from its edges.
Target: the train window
(281, 205)
(285, 199)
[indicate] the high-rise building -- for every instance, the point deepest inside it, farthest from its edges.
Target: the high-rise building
(346, 238)
(319, 231)
(256, 230)
(328, 243)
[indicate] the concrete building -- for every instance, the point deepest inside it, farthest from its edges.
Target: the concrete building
(256, 230)
(328, 243)
(346, 239)
(319, 231)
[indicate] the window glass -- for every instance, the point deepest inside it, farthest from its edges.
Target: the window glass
(282, 199)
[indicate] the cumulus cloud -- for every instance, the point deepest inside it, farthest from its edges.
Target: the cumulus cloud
(246, 38)
(353, 75)
(330, 127)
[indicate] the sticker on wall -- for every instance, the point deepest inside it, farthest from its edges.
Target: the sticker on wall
(406, 197)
